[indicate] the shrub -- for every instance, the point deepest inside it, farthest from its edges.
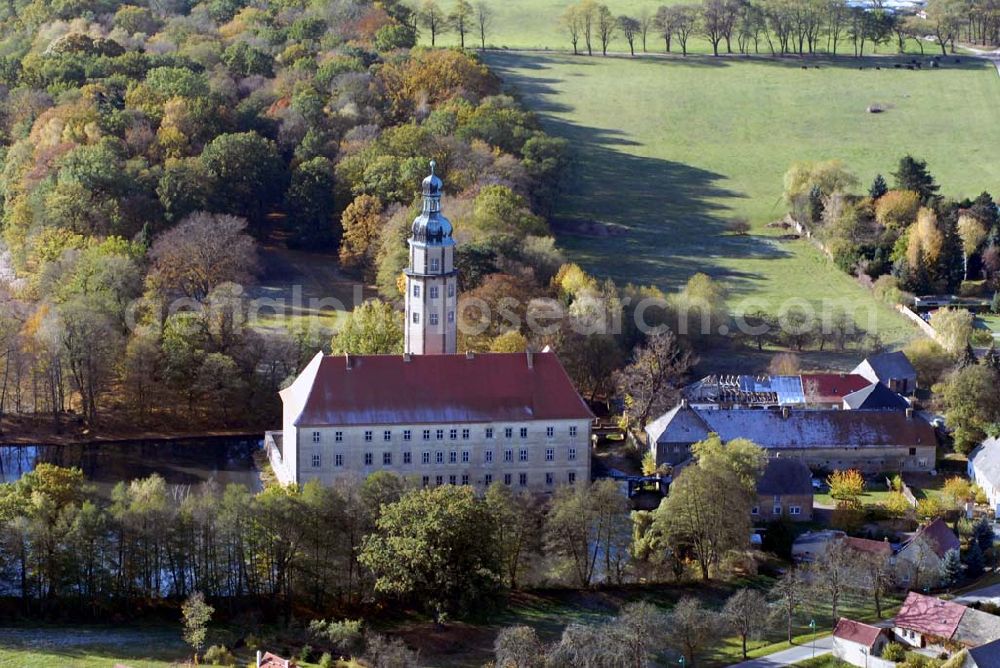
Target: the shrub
(326, 661)
(305, 653)
(218, 655)
(347, 635)
(893, 652)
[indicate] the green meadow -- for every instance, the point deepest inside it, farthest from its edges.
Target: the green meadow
(667, 150)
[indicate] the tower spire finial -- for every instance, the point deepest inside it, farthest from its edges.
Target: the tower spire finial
(433, 166)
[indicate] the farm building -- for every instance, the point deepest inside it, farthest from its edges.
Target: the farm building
(825, 439)
(784, 490)
(894, 370)
(984, 470)
(875, 397)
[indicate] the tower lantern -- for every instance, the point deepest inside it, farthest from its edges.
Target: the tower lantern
(431, 279)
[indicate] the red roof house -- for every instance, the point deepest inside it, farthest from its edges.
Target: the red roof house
(268, 660)
(400, 401)
(857, 632)
(868, 546)
(855, 642)
(428, 389)
(924, 618)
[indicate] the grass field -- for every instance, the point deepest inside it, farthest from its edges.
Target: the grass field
(549, 612)
(82, 647)
(103, 647)
(672, 148)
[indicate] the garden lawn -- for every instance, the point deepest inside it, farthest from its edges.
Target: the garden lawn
(670, 149)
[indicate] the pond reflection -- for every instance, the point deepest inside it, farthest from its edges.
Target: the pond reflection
(181, 462)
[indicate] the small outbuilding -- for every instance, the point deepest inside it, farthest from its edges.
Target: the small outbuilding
(857, 643)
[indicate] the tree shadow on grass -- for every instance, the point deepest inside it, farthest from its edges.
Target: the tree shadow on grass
(507, 63)
(665, 220)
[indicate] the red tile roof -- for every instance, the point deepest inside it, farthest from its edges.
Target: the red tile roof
(940, 536)
(274, 661)
(929, 616)
(879, 547)
(831, 388)
(856, 632)
(423, 389)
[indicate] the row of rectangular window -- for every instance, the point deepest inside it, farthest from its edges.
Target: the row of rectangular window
(338, 436)
(508, 479)
(432, 318)
(432, 291)
(425, 457)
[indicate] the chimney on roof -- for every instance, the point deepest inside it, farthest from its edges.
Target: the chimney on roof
(785, 412)
(909, 413)
(684, 402)
(469, 355)
(347, 360)
(258, 658)
(531, 359)
(407, 357)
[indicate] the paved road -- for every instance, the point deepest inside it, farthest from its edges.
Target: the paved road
(989, 594)
(789, 656)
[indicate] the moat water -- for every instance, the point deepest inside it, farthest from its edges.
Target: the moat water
(181, 462)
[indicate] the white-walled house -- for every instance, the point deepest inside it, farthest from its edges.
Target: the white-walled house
(859, 644)
(984, 470)
(436, 419)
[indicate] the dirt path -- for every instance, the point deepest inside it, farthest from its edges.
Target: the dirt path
(992, 56)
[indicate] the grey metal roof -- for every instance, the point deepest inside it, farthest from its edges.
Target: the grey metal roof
(986, 656)
(785, 476)
(431, 227)
(977, 628)
(681, 424)
(986, 461)
(820, 428)
(799, 429)
(890, 365)
(876, 397)
(745, 389)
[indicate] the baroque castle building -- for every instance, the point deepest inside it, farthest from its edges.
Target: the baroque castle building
(430, 415)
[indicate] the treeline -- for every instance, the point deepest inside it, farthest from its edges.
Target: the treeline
(148, 151)
(782, 26)
(445, 550)
(908, 238)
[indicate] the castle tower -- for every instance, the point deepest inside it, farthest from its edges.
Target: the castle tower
(431, 280)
